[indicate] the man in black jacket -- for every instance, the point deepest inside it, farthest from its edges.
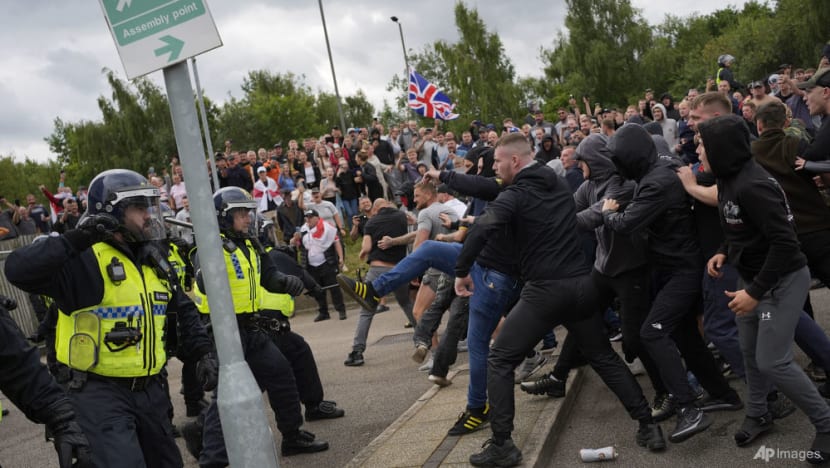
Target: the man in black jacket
(114, 288)
(774, 279)
(30, 387)
(660, 208)
(537, 208)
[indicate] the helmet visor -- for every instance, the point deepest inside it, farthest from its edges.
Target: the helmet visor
(245, 221)
(142, 218)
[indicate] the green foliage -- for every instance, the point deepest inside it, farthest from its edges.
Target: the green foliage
(474, 72)
(608, 52)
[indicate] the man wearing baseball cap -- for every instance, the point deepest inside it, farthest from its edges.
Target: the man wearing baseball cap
(323, 257)
(817, 96)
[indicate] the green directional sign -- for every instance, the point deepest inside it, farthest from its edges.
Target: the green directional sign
(153, 34)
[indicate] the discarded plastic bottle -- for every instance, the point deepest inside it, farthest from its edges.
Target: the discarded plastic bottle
(600, 454)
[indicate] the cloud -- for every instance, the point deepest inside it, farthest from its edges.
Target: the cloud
(55, 50)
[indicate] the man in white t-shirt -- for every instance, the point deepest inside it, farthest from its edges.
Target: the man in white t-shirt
(446, 196)
(324, 257)
(326, 209)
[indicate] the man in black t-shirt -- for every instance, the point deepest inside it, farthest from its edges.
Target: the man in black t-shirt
(391, 222)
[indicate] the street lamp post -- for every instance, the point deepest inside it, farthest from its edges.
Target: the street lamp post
(405, 58)
(331, 62)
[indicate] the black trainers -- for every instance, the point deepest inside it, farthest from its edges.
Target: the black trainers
(779, 405)
(324, 410)
(664, 407)
(752, 428)
(547, 384)
(651, 437)
(361, 292)
(729, 402)
(343, 315)
(355, 359)
(302, 442)
(470, 420)
(504, 455)
(321, 317)
(690, 421)
(820, 449)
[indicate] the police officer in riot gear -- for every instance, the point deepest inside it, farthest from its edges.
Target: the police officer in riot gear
(30, 387)
(250, 271)
(114, 288)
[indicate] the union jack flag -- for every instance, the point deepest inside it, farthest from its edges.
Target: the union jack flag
(428, 100)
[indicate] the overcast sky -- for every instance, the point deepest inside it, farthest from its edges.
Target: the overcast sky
(54, 51)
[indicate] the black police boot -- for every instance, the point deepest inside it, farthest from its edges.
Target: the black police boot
(302, 442)
(323, 410)
(192, 434)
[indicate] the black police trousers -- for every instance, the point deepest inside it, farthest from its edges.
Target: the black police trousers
(125, 427)
(303, 365)
(274, 375)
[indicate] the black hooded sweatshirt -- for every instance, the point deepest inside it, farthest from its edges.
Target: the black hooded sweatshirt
(616, 253)
(661, 208)
(543, 155)
(758, 227)
(538, 211)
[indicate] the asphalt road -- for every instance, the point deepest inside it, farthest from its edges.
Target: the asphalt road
(597, 419)
(373, 395)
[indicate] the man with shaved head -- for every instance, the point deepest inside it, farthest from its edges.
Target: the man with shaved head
(386, 220)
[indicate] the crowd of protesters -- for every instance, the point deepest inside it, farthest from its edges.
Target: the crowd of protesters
(617, 223)
(706, 209)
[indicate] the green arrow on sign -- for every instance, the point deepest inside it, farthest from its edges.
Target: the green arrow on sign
(174, 46)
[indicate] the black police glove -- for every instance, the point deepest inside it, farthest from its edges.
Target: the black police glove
(70, 441)
(293, 285)
(90, 230)
(207, 371)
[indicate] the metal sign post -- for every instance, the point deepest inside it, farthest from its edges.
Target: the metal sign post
(153, 34)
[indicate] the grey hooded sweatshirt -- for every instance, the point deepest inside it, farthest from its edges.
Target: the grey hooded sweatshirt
(616, 253)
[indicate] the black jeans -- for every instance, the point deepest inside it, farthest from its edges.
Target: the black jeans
(447, 351)
(431, 318)
(326, 275)
(816, 246)
(632, 289)
(670, 332)
(542, 306)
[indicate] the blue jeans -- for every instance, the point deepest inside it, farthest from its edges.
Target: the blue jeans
(349, 210)
(493, 295)
(438, 255)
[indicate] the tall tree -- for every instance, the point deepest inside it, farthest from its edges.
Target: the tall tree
(475, 71)
(600, 55)
(135, 132)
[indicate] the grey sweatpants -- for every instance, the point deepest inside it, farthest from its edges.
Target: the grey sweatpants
(364, 322)
(766, 336)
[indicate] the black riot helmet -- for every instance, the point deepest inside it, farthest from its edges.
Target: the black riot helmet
(112, 193)
(230, 200)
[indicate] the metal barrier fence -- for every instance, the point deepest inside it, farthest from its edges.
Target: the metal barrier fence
(24, 315)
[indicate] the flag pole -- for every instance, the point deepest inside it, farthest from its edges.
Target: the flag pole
(406, 62)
